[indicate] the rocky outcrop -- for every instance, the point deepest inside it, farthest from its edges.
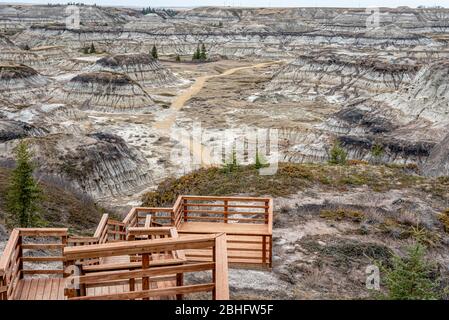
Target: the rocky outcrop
(99, 164)
(105, 91)
(437, 163)
(11, 130)
(19, 84)
(342, 75)
(55, 118)
(140, 67)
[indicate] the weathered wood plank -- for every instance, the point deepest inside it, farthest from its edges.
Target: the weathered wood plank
(221, 269)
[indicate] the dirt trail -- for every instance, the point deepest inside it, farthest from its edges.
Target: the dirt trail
(180, 100)
(196, 148)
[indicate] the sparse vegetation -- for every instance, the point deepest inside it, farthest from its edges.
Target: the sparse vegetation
(259, 162)
(377, 152)
(342, 214)
(231, 165)
(200, 54)
(161, 12)
(154, 52)
(203, 53)
(337, 154)
(411, 277)
(92, 49)
(444, 219)
(197, 54)
(89, 49)
(289, 179)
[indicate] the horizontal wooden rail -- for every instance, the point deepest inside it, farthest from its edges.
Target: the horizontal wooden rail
(22, 241)
(146, 270)
(137, 247)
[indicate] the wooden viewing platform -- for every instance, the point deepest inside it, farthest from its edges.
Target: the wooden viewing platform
(145, 256)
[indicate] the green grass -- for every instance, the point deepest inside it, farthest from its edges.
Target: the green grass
(289, 179)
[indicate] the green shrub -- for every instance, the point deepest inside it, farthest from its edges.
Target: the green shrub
(337, 154)
(377, 151)
(260, 161)
(410, 277)
(231, 164)
(154, 52)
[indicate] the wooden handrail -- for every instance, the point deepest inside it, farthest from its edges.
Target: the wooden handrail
(138, 247)
(143, 271)
(211, 198)
(270, 216)
(139, 231)
(11, 261)
(9, 249)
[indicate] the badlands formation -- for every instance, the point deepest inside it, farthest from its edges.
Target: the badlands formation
(109, 123)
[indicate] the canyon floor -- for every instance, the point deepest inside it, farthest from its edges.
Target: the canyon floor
(112, 127)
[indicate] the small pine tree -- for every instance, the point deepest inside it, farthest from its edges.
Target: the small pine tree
(24, 195)
(86, 50)
(197, 54)
(410, 277)
(26, 47)
(178, 58)
(337, 154)
(203, 54)
(232, 164)
(154, 52)
(92, 48)
(259, 161)
(377, 151)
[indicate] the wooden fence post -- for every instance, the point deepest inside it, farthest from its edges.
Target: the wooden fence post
(145, 280)
(221, 290)
(179, 283)
(264, 251)
(19, 256)
(225, 209)
(3, 288)
(185, 209)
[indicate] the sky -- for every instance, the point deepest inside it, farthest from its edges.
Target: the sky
(250, 3)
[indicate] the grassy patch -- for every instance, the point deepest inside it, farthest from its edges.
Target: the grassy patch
(289, 179)
(342, 214)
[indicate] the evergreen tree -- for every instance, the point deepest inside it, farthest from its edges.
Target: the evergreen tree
(337, 154)
(154, 52)
(203, 54)
(197, 54)
(92, 48)
(178, 58)
(86, 50)
(410, 277)
(260, 162)
(24, 194)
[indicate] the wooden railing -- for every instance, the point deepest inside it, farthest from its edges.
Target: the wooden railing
(19, 256)
(108, 230)
(223, 209)
(146, 270)
(250, 221)
(138, 215)
(147, 232)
